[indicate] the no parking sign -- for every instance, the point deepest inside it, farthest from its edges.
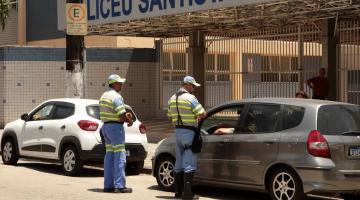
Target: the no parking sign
(76, 19)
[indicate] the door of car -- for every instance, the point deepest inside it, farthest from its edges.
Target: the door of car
(33, 128)
(256, 144)
(214, 161)
(55, 128)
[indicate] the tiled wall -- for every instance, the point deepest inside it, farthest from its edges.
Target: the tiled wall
(139, 90)
(32, 75)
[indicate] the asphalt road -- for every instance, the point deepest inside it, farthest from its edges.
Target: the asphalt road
(42, 181)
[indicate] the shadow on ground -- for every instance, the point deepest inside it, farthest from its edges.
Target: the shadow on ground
(57, 169)
(219, 193)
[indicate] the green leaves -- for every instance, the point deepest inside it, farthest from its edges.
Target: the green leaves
(4, 12)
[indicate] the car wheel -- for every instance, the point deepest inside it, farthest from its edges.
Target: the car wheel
(165, 173)
(71, 162)
(9, 155)
(285, 184)
(134, 168)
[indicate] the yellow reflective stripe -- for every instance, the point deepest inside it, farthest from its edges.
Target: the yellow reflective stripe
(183, 115)
(106, 105)
(108, 114)
(119, 148)
(184, 120)
(180, 104)
(108, 118)
(109, 147)
(197, 107)
(120, 108)
(106, 100)
(200, 112)
(183, 107)
(180, 101)
(119, 145)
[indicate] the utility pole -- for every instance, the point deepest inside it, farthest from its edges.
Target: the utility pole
(75, 50)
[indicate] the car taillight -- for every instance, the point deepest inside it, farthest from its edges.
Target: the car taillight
(317, 145)
(142, 128)
(88, 125)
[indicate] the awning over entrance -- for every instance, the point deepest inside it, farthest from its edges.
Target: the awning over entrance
(241, 16)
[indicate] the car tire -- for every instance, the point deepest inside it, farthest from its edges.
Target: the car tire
(71, 162)
(285, 184)
(8, 152)
(134, 168)
(164, 172)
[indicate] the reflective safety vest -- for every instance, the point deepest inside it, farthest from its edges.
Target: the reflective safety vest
(111, 106)
(189, 108)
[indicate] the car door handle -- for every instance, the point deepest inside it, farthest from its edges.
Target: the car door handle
(40, 127)
(63, 127)
(270, 142)
(220, 143)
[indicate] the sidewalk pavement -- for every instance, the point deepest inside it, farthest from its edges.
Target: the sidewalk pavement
(147, 162)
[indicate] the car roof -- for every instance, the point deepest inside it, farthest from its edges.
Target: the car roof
(288, 101)
(76, 101)
(80, 102)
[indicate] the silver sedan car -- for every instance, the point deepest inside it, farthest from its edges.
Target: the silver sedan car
(287, 147)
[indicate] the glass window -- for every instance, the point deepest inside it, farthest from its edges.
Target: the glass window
(225, 118)
(93, 111)
(262, 118)
(293, 116)
(43, 114)
(337, 119)
(63, 111)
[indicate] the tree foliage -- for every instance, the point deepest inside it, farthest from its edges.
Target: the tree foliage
(4, 12)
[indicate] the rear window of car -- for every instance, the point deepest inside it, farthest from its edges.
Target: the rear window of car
(293, 116)
(94, 111)
(337, 119)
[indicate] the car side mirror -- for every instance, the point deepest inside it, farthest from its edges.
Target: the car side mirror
(25, 117)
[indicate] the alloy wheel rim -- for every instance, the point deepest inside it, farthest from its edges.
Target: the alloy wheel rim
(69, 160)
(166, 173)
(284, 186)
(7, 151)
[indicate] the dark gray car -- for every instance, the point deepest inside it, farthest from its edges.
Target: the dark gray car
(288, 147)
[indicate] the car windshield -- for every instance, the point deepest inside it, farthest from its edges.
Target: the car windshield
(94, 111)
(338, 119)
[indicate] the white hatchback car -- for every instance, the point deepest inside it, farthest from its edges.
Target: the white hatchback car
(68, 130)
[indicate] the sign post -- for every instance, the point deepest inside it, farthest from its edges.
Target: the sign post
(76, 28)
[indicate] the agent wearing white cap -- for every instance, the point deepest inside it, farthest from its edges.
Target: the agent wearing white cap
(185, 111)
(113, 115)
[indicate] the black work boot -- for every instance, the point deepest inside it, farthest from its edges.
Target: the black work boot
(188, 179)
(123, 190)
(179, 184)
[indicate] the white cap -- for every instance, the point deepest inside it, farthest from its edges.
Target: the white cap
(114, 78)
(191, 80)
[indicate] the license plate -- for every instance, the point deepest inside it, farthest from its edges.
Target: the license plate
(127, 152)
(354, 152)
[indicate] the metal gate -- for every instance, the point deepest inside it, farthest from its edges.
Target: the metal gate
(349, 69)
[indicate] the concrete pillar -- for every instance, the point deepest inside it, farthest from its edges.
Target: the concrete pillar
(196, 62)
(330, 56)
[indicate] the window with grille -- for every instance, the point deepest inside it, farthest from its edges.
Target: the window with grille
(174, 66)
(217, 67)
(279, 69)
